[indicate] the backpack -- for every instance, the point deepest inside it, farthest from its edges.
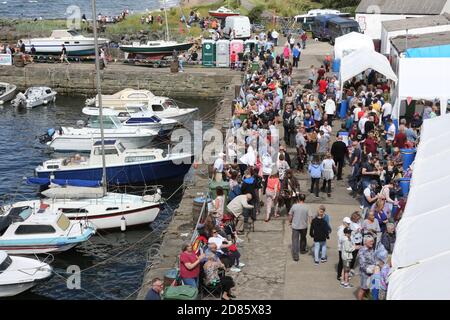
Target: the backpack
(236, 191)
(292, 125)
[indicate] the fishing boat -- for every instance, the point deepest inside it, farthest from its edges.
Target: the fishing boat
(7, 92)
(26, 227)
(34, 96)
(75, 43)
(129, 101)
(123, 166)
(82, 138)
(142, 119)
(222, 13)
(19, 274)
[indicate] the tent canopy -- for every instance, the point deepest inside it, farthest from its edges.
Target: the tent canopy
(350, 42)
(422, 249)
(363, 59)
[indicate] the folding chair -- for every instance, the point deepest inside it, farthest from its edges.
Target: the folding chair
(213, 291)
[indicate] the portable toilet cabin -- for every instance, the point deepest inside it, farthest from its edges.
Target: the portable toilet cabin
(208, 53)
(236, 46)
(250, 45)
(223, 53)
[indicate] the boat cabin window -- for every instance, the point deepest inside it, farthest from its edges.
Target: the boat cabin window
(137, 96)
(34, 229)
(170, 103)
(139, 158)
(108, 122)
(120, 147)
(48, 91)
(53, 166)
(123, 114)
(112, 208)
(157, 107)
(73, 210)
(20, 213)
(5, 264)
(108, 151)
(73, 33)
(63, 222)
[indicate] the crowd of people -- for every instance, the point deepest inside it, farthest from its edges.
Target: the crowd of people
(260, 173)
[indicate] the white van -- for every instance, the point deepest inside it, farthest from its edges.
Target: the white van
(237, 27)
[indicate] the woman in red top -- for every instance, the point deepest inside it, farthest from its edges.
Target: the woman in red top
(190, 266)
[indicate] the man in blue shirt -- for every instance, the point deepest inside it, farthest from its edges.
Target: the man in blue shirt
(309, 123)
(155, 291)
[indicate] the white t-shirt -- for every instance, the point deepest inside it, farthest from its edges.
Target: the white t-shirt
(267, 164)
(330, 107)
(355, 112)
(362, 124)
(218, 241)
(326, 129)
(391, 133)
(387, 109)
(218, 165)
(275, 34)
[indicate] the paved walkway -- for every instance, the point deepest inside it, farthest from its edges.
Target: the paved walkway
(270, 272)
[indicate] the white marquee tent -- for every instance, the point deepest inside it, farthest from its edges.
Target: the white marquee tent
(421, 258)
(413, 84)
(350, 42)
(361, 60)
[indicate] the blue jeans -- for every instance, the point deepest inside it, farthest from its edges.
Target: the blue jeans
(193, 282)
(320, 246)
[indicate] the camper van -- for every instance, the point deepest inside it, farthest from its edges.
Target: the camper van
(340, 26)
(237, 27)
(307, 19)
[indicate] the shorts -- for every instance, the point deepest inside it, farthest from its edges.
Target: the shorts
(346, 265)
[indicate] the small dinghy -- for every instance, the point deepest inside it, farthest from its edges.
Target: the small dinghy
(34, 96)
(19, 274)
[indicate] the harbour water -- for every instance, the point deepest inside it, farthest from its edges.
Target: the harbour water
(113, 261)
(50, 9)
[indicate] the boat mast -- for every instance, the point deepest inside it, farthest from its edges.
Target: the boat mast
(167, 23)
(99, 95)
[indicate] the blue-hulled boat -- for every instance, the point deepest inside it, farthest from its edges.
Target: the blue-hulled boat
(137, 166)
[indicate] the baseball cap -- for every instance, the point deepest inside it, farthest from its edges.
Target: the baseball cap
(347, 220)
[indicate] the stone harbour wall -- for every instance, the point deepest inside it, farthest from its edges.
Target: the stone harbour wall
(78, 79)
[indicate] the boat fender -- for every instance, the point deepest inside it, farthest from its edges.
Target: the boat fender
(123, 224)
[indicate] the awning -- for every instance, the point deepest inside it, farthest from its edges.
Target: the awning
(363, 59)
(351, 42)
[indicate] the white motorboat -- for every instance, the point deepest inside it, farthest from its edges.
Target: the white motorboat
(134, 100)
(34, 96)
(143, 118)
(103, 211)
(83, 137)
(123, 166)
(19, 274)
(75, 43)
(7, 92)
(26, 227)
